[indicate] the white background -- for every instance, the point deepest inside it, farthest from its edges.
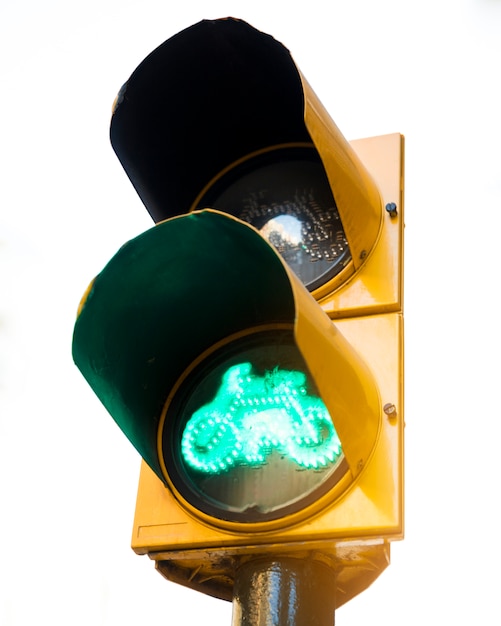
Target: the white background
(68, 477)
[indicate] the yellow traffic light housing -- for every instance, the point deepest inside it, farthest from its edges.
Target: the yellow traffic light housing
(253, 352)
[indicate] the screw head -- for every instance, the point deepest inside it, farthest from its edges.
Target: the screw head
(390, 410)
(391, 207)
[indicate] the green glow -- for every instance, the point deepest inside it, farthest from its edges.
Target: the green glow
(251, 416)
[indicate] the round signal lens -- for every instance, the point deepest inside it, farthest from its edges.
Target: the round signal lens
(247, 437)
(285, 194)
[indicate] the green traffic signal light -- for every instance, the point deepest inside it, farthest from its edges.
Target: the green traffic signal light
(250, 414)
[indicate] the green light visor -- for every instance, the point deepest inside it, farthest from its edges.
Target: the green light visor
(165, 298)
(222, 370)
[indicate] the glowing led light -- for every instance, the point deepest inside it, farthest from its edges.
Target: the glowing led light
(252, 416)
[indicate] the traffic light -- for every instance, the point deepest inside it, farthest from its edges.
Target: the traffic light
(250, 345)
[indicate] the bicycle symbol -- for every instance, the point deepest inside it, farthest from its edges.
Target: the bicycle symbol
(251, 416)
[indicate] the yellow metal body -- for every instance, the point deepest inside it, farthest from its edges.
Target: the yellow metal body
(357, 196)
(361, 521)
(370, 507)
(350, 527)
(376, 286)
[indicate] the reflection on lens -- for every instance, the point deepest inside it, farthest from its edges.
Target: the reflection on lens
(286, 196)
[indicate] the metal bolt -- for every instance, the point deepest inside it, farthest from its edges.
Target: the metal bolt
(363, 254)
(391, 207)
(390, 410)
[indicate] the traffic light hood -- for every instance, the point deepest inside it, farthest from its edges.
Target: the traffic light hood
(202, 100)
(187, 285)
(214, 94)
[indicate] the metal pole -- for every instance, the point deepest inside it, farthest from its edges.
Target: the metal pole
(284, 591)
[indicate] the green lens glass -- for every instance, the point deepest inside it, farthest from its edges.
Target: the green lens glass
(247, 437)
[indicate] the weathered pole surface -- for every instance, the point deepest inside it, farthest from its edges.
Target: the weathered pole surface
(284, 591)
